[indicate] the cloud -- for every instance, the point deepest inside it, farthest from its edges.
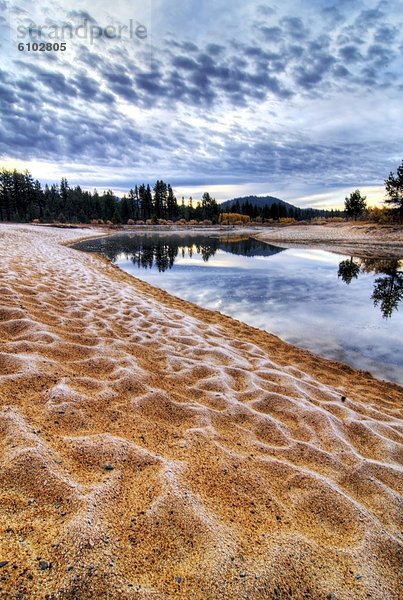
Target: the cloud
(217, 108)
(369, 19)
(53, 81)
(184, 62)
(272, 34)
(295, 28)
(266, 10)
(81, 15)
(379, 55)
(6, 95)
(350, 54)
(85, 85)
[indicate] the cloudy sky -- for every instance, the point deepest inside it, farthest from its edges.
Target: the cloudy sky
(297, 99)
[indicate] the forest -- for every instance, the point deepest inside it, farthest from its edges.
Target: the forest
(280, 210)
(23, 199)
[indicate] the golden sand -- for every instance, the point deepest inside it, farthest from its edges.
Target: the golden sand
(151, 448)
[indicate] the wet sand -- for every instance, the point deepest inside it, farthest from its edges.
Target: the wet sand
(151, 448)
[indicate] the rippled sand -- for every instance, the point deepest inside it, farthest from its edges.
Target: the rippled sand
(150, 448)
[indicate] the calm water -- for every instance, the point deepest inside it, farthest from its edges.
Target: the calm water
(337, 306)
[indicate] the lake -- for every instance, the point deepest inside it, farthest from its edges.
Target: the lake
(336, 306)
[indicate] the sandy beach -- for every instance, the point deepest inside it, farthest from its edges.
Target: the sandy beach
(151, 448)
(356, 238)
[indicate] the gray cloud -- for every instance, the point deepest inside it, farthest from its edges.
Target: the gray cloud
(81, 15)
(351, 54)
(295, 28)
(386, 33)
(272, 34)
(370, 18)
(188, 92)
(379, 55)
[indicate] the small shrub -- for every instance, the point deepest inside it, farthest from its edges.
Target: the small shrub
(319, 221)
(233, 218)
(380, 215)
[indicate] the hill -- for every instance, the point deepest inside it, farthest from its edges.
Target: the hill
(269, 207)
(259, 201)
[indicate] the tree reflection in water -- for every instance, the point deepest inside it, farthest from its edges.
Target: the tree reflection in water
(388, 289)
(349, 269)
(150, 250)
(147, 251)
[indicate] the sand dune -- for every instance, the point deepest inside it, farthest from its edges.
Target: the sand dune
(150, 448)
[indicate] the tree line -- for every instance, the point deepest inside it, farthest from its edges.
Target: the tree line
(22, 199)
(279, 210)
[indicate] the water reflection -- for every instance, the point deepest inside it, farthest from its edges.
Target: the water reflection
(349, 270)
(388, 290)
(148, 251)
(293, 293)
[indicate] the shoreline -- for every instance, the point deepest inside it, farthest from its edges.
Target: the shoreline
(316, 238)
(361, 240)
(357, 239)
(247, 331)
(175, 441)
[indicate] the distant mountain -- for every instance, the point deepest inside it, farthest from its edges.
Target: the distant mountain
(259, 201)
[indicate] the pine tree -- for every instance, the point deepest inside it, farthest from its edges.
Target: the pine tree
(160, 199)
(97, 214)
(6, 195)
(39, 198)
(148, 202)
(394, 191)
(108, 202)
(64, 188)
(172, 204)
(124, 210)
(133, 204)
(355, 205)
(210, 208)
(117, 216)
